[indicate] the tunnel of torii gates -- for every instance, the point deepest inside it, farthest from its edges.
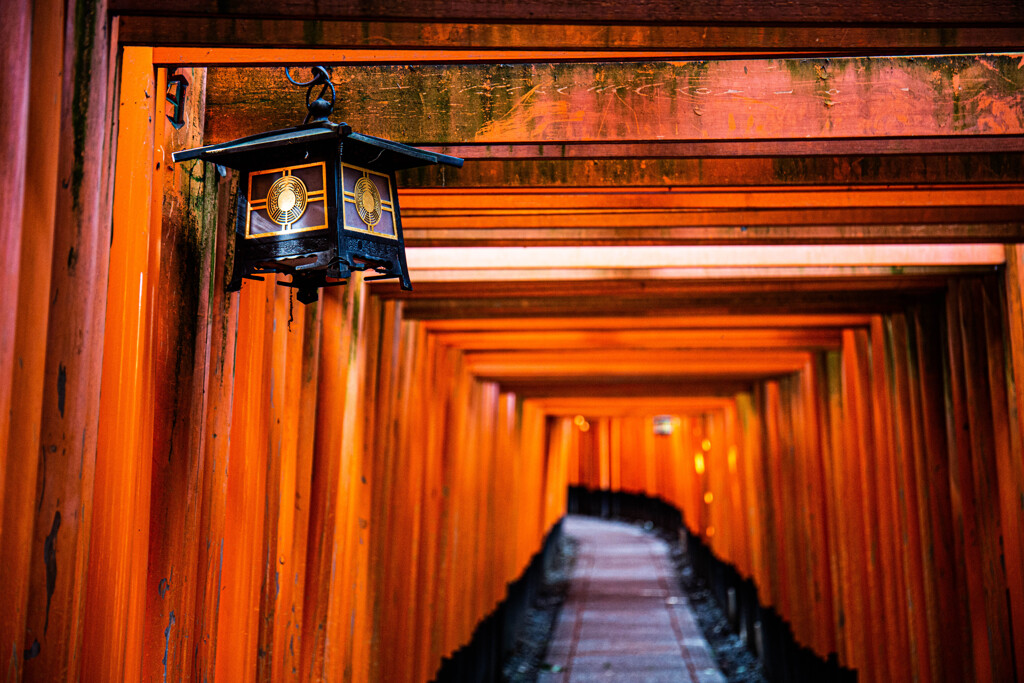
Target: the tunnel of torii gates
(792, 227)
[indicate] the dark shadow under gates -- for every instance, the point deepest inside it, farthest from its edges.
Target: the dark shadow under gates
(766, 634)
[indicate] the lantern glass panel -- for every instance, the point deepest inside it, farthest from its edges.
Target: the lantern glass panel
(285, 201)
(369, 205)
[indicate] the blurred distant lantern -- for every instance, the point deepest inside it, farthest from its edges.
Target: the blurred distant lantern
(664, 425)
(317, 201)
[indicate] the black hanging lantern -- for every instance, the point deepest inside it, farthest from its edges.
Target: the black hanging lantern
(317, 201)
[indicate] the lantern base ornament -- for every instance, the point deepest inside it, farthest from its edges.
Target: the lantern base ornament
(317, 201)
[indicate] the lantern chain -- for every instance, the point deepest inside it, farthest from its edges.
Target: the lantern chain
(319, 109)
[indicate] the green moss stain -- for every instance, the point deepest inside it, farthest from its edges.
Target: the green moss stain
(313, 32)
(952, 82)
(696, 74)
(186, 258)
(208, 231)
(85, 26)
(819, 76)
(1011, 74)
(229, 263)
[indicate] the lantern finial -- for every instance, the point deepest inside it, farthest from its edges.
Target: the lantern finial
(319, 109)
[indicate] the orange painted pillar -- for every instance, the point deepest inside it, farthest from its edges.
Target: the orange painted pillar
(906, 441)
(952, 630)
(115, 596)
(17, 472)
(970, 525)
(29, 159)
(216, 425)
(860, 602)
(1011, 463)
(237, 624)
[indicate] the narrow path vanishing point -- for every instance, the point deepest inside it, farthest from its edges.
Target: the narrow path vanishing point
(625, 617)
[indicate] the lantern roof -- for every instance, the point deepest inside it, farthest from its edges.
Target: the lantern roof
(253, 151)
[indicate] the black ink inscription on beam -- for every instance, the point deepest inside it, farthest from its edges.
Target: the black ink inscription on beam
(167, 642)
(50, 560)
(62, 380)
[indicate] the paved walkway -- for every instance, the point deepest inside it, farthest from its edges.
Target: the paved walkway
(625, 617)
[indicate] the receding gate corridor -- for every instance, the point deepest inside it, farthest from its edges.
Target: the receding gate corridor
(625, 618)
(750, 271)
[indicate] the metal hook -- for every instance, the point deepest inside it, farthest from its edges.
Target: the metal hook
(321, 77)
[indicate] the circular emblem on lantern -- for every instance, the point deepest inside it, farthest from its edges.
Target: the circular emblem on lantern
(286, 201)
(368, 201)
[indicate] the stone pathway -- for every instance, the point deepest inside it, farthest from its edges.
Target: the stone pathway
(625, 617)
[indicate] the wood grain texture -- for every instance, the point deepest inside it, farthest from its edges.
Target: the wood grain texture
(742, 99)
(218, 387)
(38, 37)
(917, 12)
(15, 523)
(71, 373)
(115, 590)
(436, 217)
(38, 228)
(728, 172)
(188, 228)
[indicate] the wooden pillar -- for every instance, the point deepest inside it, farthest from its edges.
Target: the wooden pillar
(789, 495)
(969, 537)
(427, 647)
(185, 225)
(115, 595)
(335, 347)
(984, 364)
(60, 128)
(884, 511)
(780, 546)
(941, 551)
(33, 53)
(861, 603)
(817, 516)
(906, 451)
(751, 466)
(839, 552)
(16, 470)
(1011, 462)
(218, 388)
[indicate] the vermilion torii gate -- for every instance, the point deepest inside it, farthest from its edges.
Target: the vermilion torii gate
(794, 227)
